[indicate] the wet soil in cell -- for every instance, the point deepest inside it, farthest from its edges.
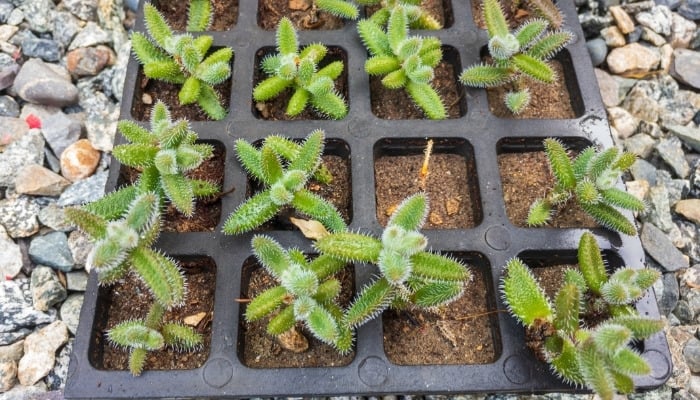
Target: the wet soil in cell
(525, 178)
(447, 187)
(149, 91)
(207, 210)
(303, 14)
(547, 100)
(441, 10)
(397, 104)
(225, 13)
(130, 299)
(460, 333)
(258, 349)
(275, 109)
(338, 193)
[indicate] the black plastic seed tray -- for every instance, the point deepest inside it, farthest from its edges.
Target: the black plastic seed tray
(477, 135)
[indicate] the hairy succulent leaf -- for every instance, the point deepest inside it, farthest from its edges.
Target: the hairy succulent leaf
(523, 295)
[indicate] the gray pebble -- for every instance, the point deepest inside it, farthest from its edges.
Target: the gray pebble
(56, 379)
(76, 281)
(691, 352)
(54, 217)
(5, 10)
(18, 315)
(41, 83)
(90, 35)
(8, 72)
(667, 293)
(80, 246)
(690, 10)
(83, 9)
(689, 135)
(39, 14)
(70, 311)
(16, 17)
(84, 191)
(670, 149)
(657, 19)
(46, 288)
(28, 149)
(658, 211)
(52, 250)
(60, 131)
(65, 27)
(46, 49)
(19, 216)
(640, 144)
(660, 248)
(8, 106)
(598, 50)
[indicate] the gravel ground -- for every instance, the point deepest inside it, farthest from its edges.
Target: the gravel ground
(62, 67)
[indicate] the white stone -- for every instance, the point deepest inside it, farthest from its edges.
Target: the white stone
(40, 352)
(625, 123)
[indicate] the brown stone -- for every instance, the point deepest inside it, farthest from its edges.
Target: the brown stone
(622, 19)
(79, 160)
(633, 59)
(89, 61)
(299, 5)
(293, 340)
(613, 37)
(38, 181)
(609, 88)
(690, 209)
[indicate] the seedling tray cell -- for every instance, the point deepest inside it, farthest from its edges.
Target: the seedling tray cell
(476, 134)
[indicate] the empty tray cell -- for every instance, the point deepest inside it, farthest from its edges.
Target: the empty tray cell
(526, 177)
(440, 10)
(397, 104)
(558, 100)
(462, 332)
(258, 349)
(224, 13)
(149, 91)
(336, 159)
(304, 15)
(451, 183)
(275, 109)
(207, 210)
(129, 299)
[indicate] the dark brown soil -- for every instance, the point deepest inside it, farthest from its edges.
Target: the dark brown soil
(459, 333)
(176, 12)
(207, 211)
(275, 109)
(257, 349)
(438, 9)
(551, 277)
(547, 100)
(303, 13)
(149, 91)
(447, 187)
(338, 193)
(526, 178)
(515, 16)
(130, 299)
(397, 104)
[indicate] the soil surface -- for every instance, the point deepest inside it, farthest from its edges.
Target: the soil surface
(547, 100)
(447, 187)
(149, 91)
(276, 108)
(514, 15)
(526, 178)
(130, 299)
(338, 193)
(207, 211)
(257, 349)
(303, 14)
(397, 104)
(441, 10)
(225, 13)
(459, 333)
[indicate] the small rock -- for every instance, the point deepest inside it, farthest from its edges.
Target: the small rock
(52, 250)
(12, 352)
(60, 132)
(613, 37)
(684, 312)
(690, 9)
(667, 293)
(11, 260)
(639, 189)
(80, 246)
(70, 311)
(38, 14)
(79, 160)
(46, 288)
(642, 102)
(42, 83)
(640, 144)
(16, 17)
(435, 218)
(89, 61)
(686, 67)
(21, 392)
(38, 181)
(633, 59)
(293, 340)
(27, 149)
(635, 35)
(65, 27)
(76, 281)
(299, 5)
(7, 31)
(653, 37)
(83, 9)
(657, 19)
(54, 217)
(5, 10)
(19, 316)
(11, 129)
(40, 352)
(452, 206)
(609, 88)
(43, 112)
(8, 375)
(670, 149)
(8, 74)
(694, 387)
(46, 49)
(689, 136)
(690, 209)
(56, 379)
(660, 248)
(682, 32)
(625, 123)
(8, 106)
(18, 216)
(658, 211)
(90, 35)
(666, 55)
(622, 19)
(102, 117)
(598, 50)
(650, 128)
(84, 191)
(691, 351)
